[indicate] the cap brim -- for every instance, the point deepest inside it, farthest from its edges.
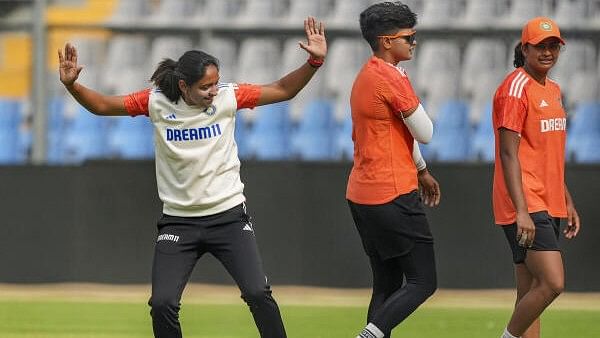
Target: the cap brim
(539, 39)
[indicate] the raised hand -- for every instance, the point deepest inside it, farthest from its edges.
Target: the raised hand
(316, 44)
(68, 68)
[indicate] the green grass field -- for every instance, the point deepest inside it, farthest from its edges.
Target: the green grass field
(99, 319)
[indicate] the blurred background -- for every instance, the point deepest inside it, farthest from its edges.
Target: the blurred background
(80, 190)
(465, 48)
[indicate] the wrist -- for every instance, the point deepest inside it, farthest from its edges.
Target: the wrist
(315, 62)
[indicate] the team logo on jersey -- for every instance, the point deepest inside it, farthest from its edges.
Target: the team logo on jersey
(210, 110)
(546, 26)
(556, 124)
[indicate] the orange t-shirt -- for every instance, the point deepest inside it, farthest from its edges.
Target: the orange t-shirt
(383, 165)
(535, 111)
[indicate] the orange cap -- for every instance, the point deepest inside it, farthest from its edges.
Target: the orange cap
(538, 29)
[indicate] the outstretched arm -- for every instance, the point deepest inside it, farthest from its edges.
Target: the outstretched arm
(93, 101)
(288, 86)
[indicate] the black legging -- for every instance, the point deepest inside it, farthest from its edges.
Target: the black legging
(393, 300)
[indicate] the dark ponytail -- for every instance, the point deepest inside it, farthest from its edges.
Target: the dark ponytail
(190, 67)
(165, 79)
(519, 60)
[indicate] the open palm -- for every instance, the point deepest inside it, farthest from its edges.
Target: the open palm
(316, 44)
(68, 68)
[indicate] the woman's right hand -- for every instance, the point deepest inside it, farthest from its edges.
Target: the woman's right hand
(68, 68)
(525, 230)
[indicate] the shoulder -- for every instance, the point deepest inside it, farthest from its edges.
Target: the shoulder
(514, 85)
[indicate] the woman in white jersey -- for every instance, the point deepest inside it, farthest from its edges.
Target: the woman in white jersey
(197, 172)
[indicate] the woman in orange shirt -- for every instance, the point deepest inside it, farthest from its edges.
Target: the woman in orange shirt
(382, 192)
(530, 195)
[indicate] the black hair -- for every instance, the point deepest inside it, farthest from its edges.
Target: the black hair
(519, 60)
(385, 18)
(190, 67)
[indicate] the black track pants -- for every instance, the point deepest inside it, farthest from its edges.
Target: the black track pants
(229, 236)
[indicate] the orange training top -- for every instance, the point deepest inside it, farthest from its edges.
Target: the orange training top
(535, 111)
(383, 165)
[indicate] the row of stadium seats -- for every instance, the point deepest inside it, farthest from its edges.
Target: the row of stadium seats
(75, 135)
(433, 13)
(442, 70)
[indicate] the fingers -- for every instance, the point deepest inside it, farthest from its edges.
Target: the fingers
(525, 238)
(573, 226)
(312, 26)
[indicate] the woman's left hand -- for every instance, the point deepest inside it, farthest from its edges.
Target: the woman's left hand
(429, 188)
(573, 222)
(316, 44)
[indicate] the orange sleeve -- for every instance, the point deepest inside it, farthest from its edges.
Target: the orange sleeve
(403, 95)
(137, 103)
(511, 112)
(247, 95)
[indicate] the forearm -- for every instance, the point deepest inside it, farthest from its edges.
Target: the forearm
(288, 86)
(95, 102)
(568, 197)
(418, 158)
(513, 180)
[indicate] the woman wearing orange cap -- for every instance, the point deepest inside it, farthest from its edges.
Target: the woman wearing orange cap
(530, 195)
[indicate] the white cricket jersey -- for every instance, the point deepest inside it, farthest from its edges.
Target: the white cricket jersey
(197, 164)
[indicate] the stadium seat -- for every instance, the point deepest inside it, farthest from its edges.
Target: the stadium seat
(255, 11)
(129, 11)
(121, 48)
(437, 13)
(346, 12)
(483, 92)
(481, 13)
(241, 137)
(225, 50)
(583, 87)
(171, 11)
(299, 10)
(312, 139)
(483, 140)
(268, 138)
(578, 56)
(433, 57)
(292, 57)
(583, 130)
(451, 137)
(11, 151)
(522, 10)
(475, 65)
(85, 137)
(570, 13)
(345, 58)
(131, 138)
(259, 60)
(343, 146)
(442, 87)
(166, 46)
(217, 11)
(56, 125)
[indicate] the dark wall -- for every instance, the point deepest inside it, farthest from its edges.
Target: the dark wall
(96, 223)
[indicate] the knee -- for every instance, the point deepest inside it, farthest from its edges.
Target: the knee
(256, 296)
(554, 287)
(428, 288)
(163, 306)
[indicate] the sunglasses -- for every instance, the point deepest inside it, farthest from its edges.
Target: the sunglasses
(410, 37)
